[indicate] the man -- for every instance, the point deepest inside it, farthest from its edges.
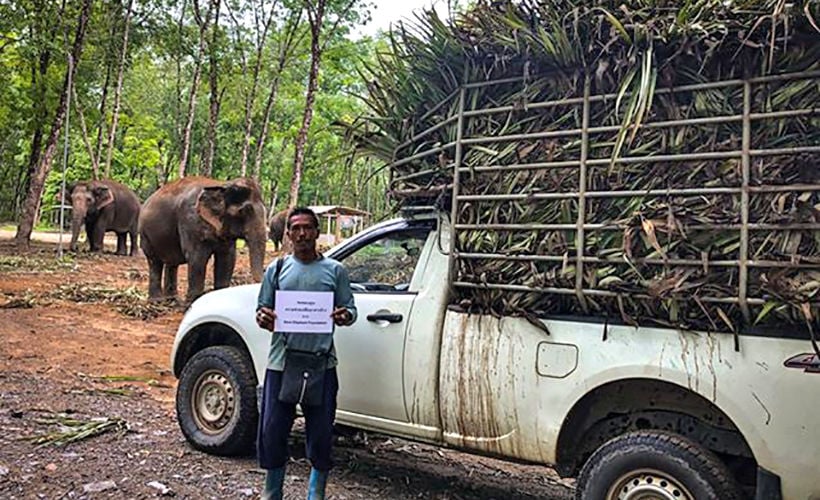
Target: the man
(305, 270)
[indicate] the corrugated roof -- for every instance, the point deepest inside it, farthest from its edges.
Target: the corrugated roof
(336, 210)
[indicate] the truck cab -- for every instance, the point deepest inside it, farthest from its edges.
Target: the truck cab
(630, 411)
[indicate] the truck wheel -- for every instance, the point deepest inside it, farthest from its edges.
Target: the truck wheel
(654, 465)
(216, 401)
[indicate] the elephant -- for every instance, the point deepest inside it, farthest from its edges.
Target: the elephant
(277, 227)
(104, 205)
(191, 219)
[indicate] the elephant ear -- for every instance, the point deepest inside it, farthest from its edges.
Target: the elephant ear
(102, 197)
(210, 205)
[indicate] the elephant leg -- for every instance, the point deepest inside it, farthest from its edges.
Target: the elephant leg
(99, 235)
(133, 234)
(121, 250)
(224, 263)
(197, 266)
(90, 233)
(154, 279)
(170, 283)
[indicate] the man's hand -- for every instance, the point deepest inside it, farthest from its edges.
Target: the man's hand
(266, 318)
(341, 316)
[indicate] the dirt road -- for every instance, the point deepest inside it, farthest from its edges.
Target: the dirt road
(79, 344)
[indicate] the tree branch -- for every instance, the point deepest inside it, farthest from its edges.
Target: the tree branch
(329, 34)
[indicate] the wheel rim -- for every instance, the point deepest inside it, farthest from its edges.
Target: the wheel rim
(213, 402)
(648, 484)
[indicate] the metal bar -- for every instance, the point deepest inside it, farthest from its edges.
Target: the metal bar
(712, 155)
(801, 75)
(420, 173)
(807, 226)
(582, 188)
(423, 133)
(418, 156)
(634, 193)
(787, 188)
(805, 75)
(419, 208)
(745, 165)
(709, 120)
(601, 97)
(451, 264)
(440, 104)
(788, 113)
(641, 261)
(590, 291)
(427, 192)
(489, 83)
(785, 151)
(522, 166)
(521, 137)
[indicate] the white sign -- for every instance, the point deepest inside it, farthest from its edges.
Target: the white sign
(304, 312)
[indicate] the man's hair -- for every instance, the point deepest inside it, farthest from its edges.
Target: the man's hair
(304, 211)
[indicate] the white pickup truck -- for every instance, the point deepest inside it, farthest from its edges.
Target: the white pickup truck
(632, 412)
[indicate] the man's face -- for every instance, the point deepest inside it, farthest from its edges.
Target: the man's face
(303, 232)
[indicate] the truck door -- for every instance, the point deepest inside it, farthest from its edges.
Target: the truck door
(371, 351)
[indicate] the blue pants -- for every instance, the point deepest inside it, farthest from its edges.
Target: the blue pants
(276, 420)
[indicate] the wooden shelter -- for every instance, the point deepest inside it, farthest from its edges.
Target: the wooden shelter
(339, 219)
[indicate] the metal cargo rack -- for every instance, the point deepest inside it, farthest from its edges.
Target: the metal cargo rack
(455, 123)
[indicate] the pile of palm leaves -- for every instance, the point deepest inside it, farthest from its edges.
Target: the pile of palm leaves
(130, 301)
(635, 260)
(71, 429)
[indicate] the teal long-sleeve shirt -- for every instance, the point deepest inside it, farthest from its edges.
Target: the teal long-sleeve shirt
(322, 275)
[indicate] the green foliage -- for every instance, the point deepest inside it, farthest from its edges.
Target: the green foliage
(159, 67)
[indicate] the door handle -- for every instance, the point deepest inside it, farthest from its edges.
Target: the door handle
(389, 317)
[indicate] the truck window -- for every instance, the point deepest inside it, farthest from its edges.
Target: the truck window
(386, 264)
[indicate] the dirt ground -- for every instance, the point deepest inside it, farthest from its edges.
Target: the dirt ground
(79, 344)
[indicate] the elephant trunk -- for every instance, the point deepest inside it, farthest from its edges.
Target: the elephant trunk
(77, 220)
(256, 250)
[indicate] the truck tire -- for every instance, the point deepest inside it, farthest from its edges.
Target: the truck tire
(216, 402)
(654, 464)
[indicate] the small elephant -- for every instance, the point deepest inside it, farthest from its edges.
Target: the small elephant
(193, 218)
(102, 206)
(277, 228)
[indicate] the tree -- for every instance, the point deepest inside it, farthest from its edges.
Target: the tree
(215, 99)
(35, 191)
(262, 24)
(115, 112)
(203, 23)
(316, 10)
(42, 33)
(286, 46)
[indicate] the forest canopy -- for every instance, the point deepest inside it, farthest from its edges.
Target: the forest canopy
(165, 88)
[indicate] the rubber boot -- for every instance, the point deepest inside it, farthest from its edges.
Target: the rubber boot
(274, 481)
(316, 487)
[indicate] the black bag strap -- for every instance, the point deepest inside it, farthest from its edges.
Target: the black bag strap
(279, 263)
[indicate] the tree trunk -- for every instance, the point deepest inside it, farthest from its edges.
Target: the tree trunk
(215, 100)
(284, 55)
(250, 97)
(315, 19)
(115, 113)
(177, 140)
(104, 99)
(95, 169)
(189, 123)
(39, 75)
(32, 204)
